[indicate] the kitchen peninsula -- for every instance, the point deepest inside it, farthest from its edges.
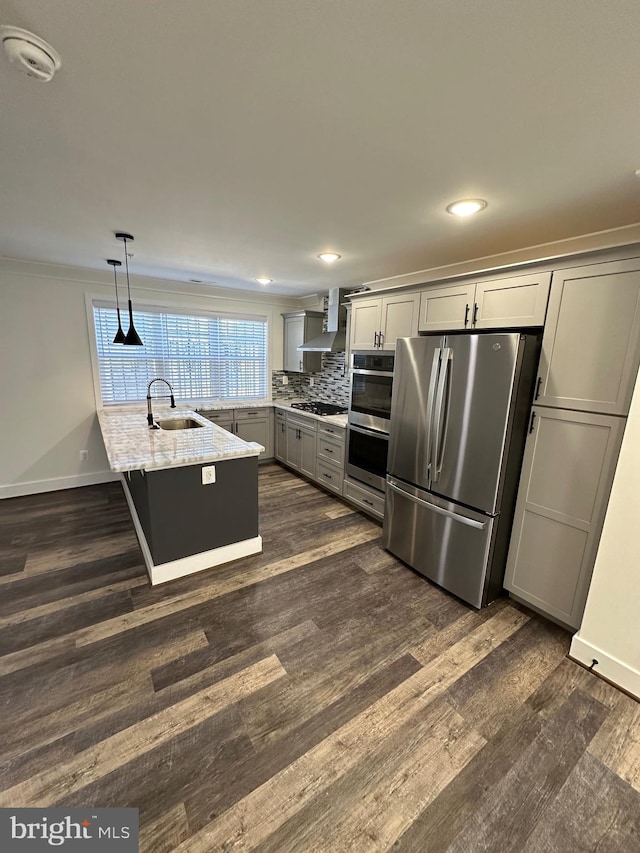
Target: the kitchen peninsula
(192, 493)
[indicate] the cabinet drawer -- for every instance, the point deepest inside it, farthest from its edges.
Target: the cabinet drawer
(330, 450)
(330, 477)
(335, 433)
(252, 414)
(366, 499)
(217, 415)
(299, 421)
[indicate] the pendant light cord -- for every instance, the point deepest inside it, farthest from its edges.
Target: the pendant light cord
(126, 263)
(115, 281)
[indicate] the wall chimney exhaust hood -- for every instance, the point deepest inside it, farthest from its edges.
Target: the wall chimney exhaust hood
(335, 338)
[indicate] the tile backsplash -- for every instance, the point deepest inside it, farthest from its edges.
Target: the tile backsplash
(330, 385)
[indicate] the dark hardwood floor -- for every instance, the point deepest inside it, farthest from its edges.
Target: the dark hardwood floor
(319, 696)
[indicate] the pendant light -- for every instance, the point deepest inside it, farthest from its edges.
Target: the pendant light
(120, 337)
(132, 338)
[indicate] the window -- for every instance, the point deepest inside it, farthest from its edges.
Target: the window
(202, 355)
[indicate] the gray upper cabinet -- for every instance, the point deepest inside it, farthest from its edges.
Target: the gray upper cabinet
(518, 301)
(514, 302)
(591, 343)
(377, 322)
(567, 472)
(445, 308)
(299, 327)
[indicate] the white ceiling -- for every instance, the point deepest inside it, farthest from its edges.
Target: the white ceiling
(238, 138)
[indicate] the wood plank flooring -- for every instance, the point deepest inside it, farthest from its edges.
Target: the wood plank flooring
(319, 696)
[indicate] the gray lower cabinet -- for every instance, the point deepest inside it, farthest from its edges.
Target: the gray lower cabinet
(301, 445)
(567, 472)
(256, 425)
(591, 343)
(365, 498)
(280, 437)
(330, 457)
(248, 424)
(311, 447)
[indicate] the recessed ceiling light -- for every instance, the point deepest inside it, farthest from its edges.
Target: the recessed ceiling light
(264, 280)
(328, 257)
(466, 206)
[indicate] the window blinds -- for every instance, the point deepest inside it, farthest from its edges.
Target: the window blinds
(201, 355)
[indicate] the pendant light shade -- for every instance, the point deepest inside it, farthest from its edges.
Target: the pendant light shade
(132, 338)
(120, 336)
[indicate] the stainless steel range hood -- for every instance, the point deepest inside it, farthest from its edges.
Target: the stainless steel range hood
(335, 338)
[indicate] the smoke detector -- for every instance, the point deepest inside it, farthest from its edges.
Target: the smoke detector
(30, 53)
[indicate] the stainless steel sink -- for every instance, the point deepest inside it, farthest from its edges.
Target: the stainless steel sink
(178, 423)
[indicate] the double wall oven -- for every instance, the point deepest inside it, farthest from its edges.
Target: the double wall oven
(369, 417)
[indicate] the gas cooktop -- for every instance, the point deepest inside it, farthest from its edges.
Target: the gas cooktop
(315, 407)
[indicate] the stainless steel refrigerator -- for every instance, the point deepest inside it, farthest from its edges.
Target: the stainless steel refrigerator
(459, 415)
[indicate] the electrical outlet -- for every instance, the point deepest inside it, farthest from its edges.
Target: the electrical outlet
(311, 380)
(285, 380)
(208, 474)
(84, 455)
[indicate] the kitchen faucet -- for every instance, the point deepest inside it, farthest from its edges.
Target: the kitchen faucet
(149, 413)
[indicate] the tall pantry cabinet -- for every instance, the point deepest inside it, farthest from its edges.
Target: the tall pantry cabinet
(589, 360)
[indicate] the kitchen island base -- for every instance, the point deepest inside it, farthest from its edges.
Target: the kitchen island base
(185, 526)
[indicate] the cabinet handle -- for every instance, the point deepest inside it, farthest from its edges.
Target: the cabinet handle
(326, 450)
(466, 315)
(236, 426)
(380, 340)
(328, 476)
(475, 313)
(282, 427)
(365, 501)
(538, 384)
(375, 340)
(301, 367)
(533, 417)
(252, 414)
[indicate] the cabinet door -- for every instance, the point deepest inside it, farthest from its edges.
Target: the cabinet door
(591, 343)
(255, 430)
(444, 308)
(294, 446)
(281, 438)
(512, 302)
(293, 338)
(297, 330)
(308, 451)
(399, 318)
(365, 323)
(567, 473)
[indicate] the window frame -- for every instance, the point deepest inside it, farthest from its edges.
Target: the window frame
(170, 306)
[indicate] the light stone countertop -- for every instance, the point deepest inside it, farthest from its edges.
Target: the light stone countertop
(131, 445)
(334, 420)
(239, 404)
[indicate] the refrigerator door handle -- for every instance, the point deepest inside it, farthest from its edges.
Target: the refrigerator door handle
(440, 415)
(433, 381)
(479, 525)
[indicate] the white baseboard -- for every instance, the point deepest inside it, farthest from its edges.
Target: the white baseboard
(616, 671)
(196, 562)
(55, 484)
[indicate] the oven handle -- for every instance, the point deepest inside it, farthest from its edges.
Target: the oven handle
(363, 372)
(367, 431)
(479, 525)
